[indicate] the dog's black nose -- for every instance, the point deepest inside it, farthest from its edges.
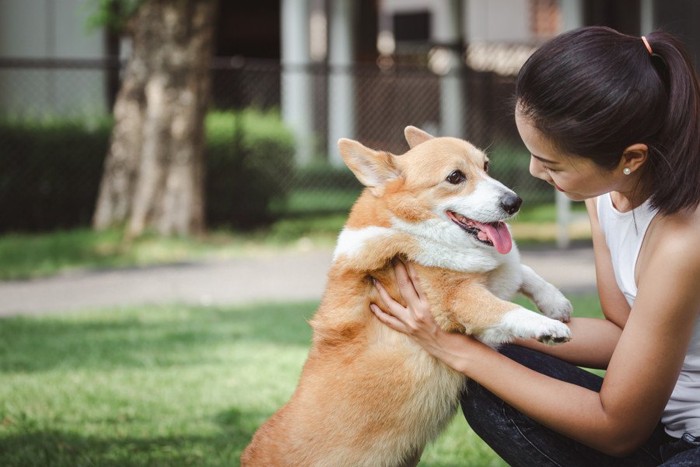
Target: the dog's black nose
(510, 203)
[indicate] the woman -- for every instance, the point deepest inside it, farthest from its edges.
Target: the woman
(613, 120)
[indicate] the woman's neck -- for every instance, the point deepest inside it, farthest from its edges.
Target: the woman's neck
(627, 201)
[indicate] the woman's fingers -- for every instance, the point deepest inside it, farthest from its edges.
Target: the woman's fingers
(387, 319)
(396, 312)
(420, 309)
(389, 303)
(415, 280)
(406, 286)
(409, 285)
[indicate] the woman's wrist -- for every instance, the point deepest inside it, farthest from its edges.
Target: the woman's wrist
(458, 351)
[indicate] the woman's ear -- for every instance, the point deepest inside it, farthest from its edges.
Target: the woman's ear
(634, 157)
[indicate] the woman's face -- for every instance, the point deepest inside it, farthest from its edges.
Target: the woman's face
(577, 177)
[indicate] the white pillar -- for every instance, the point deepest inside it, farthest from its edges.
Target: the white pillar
(646, 14)
(341, 94)
(563, 205)
(571, 14)
(297, 99)
(572, 18)
(452, 96)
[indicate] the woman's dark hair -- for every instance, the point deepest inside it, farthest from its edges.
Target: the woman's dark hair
(594, 92)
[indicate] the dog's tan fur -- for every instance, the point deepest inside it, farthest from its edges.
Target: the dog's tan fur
(369, 396)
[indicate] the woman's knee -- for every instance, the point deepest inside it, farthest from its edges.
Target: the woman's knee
(481, 409)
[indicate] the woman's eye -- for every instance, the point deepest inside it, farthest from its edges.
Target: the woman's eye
(456, 177)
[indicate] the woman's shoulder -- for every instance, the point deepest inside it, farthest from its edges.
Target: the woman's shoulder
(668, 266)
(676, 235)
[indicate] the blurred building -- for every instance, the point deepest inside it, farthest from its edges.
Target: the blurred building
(362, 69)
(32, 32)
(352, 68)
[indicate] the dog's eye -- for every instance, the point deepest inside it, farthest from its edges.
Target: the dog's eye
(486, 166)
(456, 177)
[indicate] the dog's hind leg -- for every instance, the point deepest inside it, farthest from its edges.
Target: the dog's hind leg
(413, 460)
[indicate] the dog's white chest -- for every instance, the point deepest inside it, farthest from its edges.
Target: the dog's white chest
(353, 242)
(453, 251)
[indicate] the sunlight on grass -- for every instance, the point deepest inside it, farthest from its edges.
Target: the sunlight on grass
(35, 255)
(167, 385)
(145, 386)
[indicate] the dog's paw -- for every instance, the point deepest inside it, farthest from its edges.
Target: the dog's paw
(526, 324)
(552, 303)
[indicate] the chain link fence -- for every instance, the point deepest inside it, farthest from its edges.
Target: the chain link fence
(55, 125)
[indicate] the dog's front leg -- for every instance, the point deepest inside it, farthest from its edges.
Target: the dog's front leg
(495, 321)
(548, 298)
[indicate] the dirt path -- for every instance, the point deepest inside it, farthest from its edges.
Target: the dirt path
(282, 277)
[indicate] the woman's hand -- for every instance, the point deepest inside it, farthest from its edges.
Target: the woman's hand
(415, 319)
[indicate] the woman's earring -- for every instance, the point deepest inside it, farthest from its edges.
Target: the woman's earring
(626, 171)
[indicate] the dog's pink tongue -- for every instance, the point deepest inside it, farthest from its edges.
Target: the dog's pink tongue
(499, 235)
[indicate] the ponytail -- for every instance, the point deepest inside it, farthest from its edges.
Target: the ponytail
(675, 158)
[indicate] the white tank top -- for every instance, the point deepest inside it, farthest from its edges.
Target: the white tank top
(624, 233)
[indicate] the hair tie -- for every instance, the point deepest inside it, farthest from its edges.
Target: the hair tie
(657, 62)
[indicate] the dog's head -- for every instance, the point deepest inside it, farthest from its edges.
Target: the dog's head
(440, 188)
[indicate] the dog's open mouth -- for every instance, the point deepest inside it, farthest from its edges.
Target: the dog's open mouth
(495, 234)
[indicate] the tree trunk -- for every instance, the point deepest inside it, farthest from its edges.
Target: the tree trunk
(154, 170)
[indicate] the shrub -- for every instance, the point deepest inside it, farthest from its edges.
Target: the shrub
(322, 176)
(50, 171)
(250, 166)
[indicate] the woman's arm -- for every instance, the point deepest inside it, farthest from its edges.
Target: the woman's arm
(612, 301)
(592, 343)
(642, 371)
(593, 340)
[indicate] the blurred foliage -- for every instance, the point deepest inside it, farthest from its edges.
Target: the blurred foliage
(50, 170)
(112, 14)
(250, 162)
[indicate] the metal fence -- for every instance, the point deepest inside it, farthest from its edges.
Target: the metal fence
(74, 97)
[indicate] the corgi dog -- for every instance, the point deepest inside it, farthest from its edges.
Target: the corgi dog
(368, 395)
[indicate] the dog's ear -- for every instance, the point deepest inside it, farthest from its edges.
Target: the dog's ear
(372, 168)
(415, 136)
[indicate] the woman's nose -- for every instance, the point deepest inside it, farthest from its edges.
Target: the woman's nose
(536, 169)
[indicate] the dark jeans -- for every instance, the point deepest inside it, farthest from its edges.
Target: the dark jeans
(521, 441)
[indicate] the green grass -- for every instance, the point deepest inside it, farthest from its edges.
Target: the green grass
(169, 385)
(25, 256)
(33, 255)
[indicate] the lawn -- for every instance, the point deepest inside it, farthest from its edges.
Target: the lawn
(168, 385)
